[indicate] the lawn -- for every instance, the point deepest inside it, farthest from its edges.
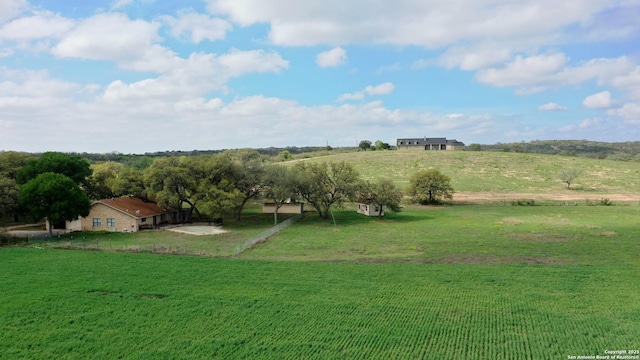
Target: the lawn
(466, 234)
(101, 305)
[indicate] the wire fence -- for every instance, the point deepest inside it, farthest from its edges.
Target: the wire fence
(262, 237)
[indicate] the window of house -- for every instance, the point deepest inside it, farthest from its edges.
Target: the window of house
(143, 220)
(111, 222)
(97, 222)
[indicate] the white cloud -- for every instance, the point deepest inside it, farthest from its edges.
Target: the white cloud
(197, 27)
(358, 95)
(109, 36)
(239, 62)
(330, 58)
(541, 72)
(11, 8)
(123, 3)
(598, 101)
(628, 82)
(630, 113)
(196, 75)
(551, 106)
(585, 124)
(382, 89)
(475, 57)
(38, 26)
(33, 84)
(430, 24)
(454, 116)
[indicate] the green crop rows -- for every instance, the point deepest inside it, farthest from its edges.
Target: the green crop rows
(74, 304)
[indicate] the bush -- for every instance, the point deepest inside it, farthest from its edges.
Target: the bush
(523, 202)
(6, 239)
(601, 202)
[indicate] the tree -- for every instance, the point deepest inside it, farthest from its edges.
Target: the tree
(381, 145)
(9, 191)
(279, 186)
(428, 186)
(130, 182)
(567, 176)
(55, 197)
(365, 145)
(172, 182)
(72, 166)
(382, 193)
(325, 184)
(11, 162)
(285, 155)
(474, 147)
(103, 178)
(246, 174)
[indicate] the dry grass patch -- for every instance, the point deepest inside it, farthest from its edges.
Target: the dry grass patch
(510, 221)
(608, 234)
(537, 237)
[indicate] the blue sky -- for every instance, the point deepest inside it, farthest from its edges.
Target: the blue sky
(136, 76)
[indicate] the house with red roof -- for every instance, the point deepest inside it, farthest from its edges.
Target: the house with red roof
(124, 214)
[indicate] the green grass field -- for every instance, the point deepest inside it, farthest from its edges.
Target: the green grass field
(75, 304)
(481, 281)
(466, 234)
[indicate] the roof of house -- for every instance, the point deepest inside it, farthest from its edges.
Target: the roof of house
(133, 206)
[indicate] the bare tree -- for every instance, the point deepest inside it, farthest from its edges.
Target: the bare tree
(568, 176)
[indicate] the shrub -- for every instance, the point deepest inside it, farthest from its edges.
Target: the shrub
(523, 202)
(601, 202)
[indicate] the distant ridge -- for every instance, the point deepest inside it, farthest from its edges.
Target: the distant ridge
(584, 148)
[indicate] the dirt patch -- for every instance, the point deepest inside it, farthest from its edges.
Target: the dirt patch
(495, 196)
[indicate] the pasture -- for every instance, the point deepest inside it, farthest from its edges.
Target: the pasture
(499, 173)
(474, 280)
(467, 234)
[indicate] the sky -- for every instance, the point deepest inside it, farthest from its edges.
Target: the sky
(136, 76)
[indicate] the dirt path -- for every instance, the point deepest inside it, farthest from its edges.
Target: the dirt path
(483, 197)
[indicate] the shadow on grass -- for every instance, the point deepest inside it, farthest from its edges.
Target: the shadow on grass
(350, 217)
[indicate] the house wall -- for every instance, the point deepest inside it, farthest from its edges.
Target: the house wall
(123, 222)
(455, 147)
(295, 208)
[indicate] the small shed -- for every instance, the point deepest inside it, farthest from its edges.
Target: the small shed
(369, 209)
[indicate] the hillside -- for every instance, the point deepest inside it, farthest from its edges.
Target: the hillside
(582, 148)
(505, 175)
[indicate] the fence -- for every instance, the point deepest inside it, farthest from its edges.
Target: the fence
(266, 234)
(214, 249)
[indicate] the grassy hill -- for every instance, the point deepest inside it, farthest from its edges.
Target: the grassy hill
(505, 172)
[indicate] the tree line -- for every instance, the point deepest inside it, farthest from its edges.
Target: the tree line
(60, 187)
